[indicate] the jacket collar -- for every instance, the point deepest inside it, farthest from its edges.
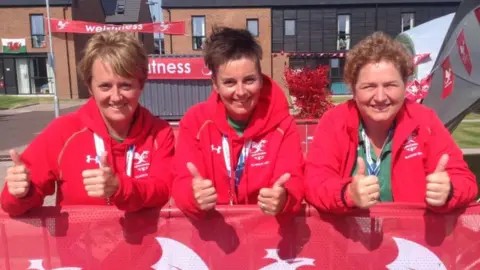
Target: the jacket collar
(405, 123)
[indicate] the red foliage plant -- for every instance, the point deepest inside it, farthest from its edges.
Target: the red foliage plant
(310, 88)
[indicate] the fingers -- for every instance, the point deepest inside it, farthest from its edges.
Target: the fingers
(15, 157)
(442, 163)
(194, 171)
(92, 173)
(361, 168)
(280, 183)
(104, 160)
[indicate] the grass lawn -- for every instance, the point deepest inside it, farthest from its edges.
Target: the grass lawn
(473, 116)
(340, 99)
(9, 102)
(467, 135)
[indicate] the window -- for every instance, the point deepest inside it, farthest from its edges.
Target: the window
(343, 32)
(252, 26)
(198, 32)
(37, 30)
(408, 21)
(289, 27)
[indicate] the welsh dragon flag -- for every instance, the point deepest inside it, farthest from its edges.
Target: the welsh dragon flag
(14, 45)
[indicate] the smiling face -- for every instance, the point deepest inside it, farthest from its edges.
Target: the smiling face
(116, 97)
(379, 92)
(238, 83)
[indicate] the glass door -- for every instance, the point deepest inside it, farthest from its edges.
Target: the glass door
(23, 76)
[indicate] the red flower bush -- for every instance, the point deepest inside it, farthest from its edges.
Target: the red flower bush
(310, 89)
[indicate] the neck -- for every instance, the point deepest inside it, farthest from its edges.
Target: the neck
(118, 129)
(377, 132)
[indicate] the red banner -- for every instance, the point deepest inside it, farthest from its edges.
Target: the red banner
(81, 27)
(420, 58)
(388, 236)
(448, 78)
(464, 52)
(178, 69)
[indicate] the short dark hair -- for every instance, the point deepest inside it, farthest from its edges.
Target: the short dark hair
(227, 44)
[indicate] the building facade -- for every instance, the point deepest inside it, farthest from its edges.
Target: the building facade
(302, 32)
(24, 68)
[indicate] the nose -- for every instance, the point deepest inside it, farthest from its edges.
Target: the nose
(116, 94)
(241, 90)
(380, 94)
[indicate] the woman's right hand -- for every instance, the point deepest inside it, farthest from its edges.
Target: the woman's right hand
(364, 190)
(18, 177)
(203, 190)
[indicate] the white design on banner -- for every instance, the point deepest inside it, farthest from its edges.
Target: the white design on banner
(61, 25)
(38, 265)
(178, 256)
(289, 264)
(414, 256)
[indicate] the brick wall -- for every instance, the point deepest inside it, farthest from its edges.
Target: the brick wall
(15, 23)
(220, 17)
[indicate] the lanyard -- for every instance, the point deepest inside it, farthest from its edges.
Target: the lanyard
(374, 169)
(241, 159)
(100, 148)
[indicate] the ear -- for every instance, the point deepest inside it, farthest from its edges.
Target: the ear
(214, 83)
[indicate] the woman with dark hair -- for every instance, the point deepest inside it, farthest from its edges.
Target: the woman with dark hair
(380, 147)
(241, 146)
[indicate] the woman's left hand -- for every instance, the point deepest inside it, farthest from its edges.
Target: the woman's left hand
(272, 200)
(438, 184)
(100, 183)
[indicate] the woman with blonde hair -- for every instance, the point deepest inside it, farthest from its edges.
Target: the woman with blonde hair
(380, 147)
(110, 151)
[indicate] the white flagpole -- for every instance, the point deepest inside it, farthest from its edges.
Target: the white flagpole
(51, 60)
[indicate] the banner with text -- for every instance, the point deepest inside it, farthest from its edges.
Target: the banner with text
(388, 236)
(81, 27)
(178, 69)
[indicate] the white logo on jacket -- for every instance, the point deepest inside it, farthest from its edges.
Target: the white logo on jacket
(258, 150)
(412, 146)
(142, 163)
(94, 158)
(216, 149)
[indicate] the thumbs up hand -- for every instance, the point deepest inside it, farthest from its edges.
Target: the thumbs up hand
(203, 190)
(100, 183)
(272, 200)
(363, 190)
(438, 184)
(18, 177)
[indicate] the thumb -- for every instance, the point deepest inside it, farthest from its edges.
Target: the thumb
(360, 167)
(281, 181)
(442, 163)
(194, 171)
(104, 160)
(15, 157)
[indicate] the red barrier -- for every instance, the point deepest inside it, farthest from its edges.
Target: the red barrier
(399, 236)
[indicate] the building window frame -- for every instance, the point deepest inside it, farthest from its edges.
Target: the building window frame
(257, 26)
(38, 40)
(344, 39)
(288, 34)
(411, 21)
(198, 40)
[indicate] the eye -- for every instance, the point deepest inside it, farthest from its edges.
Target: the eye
(126, 86)
(250, 80)
(229, 83)
(105, 86)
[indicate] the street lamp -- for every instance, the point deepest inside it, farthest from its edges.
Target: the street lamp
(51, 61)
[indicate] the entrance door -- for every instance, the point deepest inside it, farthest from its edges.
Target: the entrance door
(2, 81)
(9, 76)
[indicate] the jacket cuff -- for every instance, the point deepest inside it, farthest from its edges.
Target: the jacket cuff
(347, 201)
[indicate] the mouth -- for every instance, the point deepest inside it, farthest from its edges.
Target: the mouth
(117, 106)
(241, 102)
(380, 108)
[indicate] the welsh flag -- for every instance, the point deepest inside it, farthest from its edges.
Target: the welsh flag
(14, 45)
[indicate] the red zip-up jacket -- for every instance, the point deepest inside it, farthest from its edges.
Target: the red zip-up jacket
(66, 148)
(275, 150)
(419, 140)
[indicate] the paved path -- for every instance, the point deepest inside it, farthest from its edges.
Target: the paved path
(19, 126)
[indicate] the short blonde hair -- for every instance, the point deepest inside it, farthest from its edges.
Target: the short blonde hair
(122, 51)
(374, 48)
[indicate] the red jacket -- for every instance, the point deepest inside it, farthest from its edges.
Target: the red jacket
(419, 140)
(275, 150)
(66, 147)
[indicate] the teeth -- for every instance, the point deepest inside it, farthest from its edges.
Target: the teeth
(117, 106)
